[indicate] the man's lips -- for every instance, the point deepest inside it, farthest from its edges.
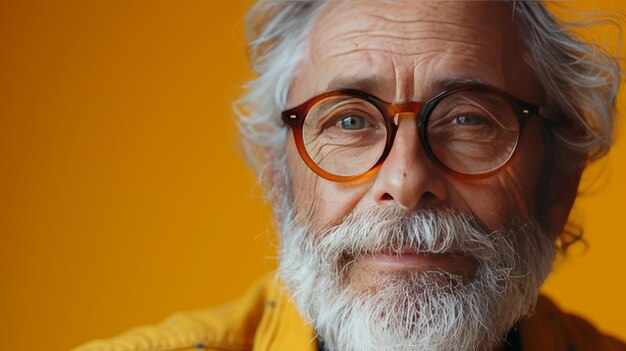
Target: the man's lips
(409, 260)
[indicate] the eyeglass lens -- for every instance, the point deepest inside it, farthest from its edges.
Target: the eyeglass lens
(468, 132)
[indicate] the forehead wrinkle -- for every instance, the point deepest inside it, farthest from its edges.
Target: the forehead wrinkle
(377, 41)
(372, 22)
(403, 85)
(375, 80)
(358, 38)
(423, 78)
(398, 38)
(417, 54)
(341, 40)
(424, 25)
(407, 52)
(410, 38)
(383, 18)
(406, 72)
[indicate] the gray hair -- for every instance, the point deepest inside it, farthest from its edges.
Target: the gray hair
(580, 78)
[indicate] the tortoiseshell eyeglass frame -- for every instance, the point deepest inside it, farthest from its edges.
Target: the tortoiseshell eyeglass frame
(294, 117)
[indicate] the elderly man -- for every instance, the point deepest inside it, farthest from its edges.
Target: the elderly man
(422, 159)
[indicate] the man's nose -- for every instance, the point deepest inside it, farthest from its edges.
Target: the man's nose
(408, 176)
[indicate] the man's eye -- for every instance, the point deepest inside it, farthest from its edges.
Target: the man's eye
(468, 120)
(353, 123)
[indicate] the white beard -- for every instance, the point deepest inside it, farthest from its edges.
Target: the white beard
(412, 310)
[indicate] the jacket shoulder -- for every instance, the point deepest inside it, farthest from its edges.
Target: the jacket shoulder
(228, 327)
(552, 329)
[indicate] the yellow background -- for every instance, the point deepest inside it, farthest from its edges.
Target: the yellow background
(123, 196)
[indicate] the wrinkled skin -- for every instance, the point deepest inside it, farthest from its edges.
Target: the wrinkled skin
(405, 51)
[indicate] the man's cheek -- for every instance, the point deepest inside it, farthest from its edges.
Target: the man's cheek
(334, 201)
(303, 187)
(492, 206)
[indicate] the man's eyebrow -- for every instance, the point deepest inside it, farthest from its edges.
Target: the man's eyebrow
(378, 86)
(377, 83)
(446, 82)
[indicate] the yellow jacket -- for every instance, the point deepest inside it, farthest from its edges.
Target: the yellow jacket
(265, 320)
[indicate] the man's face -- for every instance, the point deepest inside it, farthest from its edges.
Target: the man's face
(413, 244)
(403, 51)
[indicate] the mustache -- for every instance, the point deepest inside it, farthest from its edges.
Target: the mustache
(369, 231)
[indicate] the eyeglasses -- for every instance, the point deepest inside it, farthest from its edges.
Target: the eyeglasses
(469, 129)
